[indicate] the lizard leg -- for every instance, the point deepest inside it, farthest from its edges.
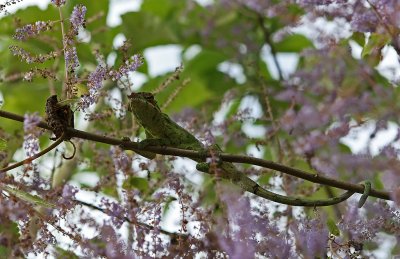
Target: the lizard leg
(146, 154)
(154, 142)
(203, 167)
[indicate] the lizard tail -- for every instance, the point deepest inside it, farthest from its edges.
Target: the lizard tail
(296, 201)
(249, 185)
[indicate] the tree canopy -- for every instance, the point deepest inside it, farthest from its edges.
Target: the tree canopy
(301, 96)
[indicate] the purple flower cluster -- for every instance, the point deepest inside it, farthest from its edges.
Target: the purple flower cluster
(13, 209)
(364, 21)
(116, 211)
(22, 54)
(58, 2)
(71, 59)
(312, 236)
(31, 141)
(365, 227)
(31, 145)
(28, 57)
(388, 11)
(120, 159)
(31, 30)
(239, 243)
(130, 65)
(95, 82)
(31, 121)
(78, 17)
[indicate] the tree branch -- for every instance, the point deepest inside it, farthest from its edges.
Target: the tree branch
(41, 153)
(129, 145)
(126, 219)
(267, 39)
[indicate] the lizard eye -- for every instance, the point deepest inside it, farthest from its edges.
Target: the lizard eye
(149, 97)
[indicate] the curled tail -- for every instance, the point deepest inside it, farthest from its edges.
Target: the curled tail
(229, 172)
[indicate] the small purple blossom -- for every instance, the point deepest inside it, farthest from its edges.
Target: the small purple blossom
(58, 2)
(78, 17)
(130, 65)
(69, 191)
(31, 30)
(28, 76)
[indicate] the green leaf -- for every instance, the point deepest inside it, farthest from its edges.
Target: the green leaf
(12, 230)
(134, 182)
(4, 252)
(36, 200)
(18, 99)
(61, 253)
(264, 179)
(233, 109)
(68, 101)
(377, 182)
(147, 30)
(110, 190)
(162, 8)
(168, 204)
(3, 144)
(359, 38)
(375, 41)
(293, 43)
(333, 229)
(226, 18)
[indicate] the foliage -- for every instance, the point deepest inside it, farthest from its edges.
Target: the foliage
(234, 76)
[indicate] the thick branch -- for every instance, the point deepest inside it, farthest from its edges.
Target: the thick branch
(315, 178)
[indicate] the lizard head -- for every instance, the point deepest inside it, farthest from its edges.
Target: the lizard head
(143, 100)
(145, 108)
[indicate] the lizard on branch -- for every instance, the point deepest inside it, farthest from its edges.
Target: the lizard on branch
(161, 130)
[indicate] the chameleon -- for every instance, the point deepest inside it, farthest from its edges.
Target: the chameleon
(161, 130)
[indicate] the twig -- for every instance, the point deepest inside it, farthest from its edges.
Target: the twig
(267, 39)
(172, 235)
(41, 153)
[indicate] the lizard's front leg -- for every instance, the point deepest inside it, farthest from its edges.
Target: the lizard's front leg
(210, 152)
(154, 142)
